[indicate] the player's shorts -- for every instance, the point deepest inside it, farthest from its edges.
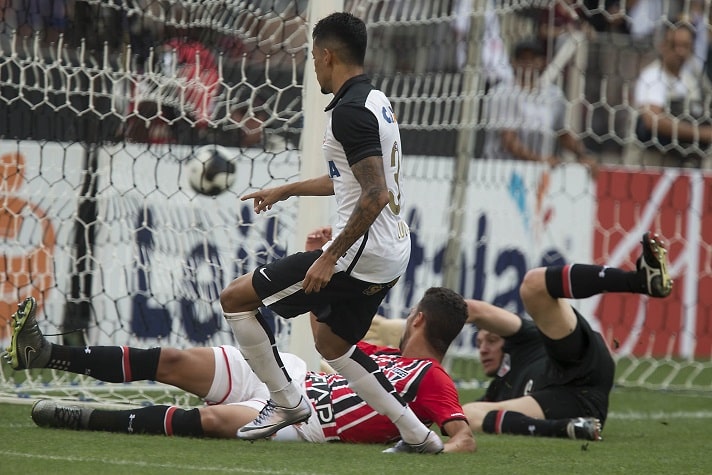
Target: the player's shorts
(235, 383)
(347, 305)
(579, 375)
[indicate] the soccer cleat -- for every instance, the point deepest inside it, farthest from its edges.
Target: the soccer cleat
(272, 418)
(431, 445)
(48, 413)
(28, 347)
(584, 428)
(652, 266)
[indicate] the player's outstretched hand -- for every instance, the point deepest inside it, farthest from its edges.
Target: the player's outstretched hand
(264, 199)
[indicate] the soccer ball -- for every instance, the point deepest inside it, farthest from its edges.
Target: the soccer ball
(210, 171)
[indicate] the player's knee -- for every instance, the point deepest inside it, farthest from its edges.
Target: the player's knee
(210, 422)
(227, 298)
(168, 362)
(232, 297)
(533, 286)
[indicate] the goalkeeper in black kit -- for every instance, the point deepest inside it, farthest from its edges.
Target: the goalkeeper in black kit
(552, 375)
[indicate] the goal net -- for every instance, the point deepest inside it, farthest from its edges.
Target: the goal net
(105, 104)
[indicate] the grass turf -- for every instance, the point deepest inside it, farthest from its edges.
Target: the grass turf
(648, 432)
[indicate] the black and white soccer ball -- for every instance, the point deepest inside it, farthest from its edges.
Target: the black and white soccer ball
(211, 171)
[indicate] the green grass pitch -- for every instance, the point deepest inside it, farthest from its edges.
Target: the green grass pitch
(648, 432)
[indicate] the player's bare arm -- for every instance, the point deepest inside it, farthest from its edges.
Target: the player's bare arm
(265, 198)
(374, 197)
(491, 318)
(461, 438)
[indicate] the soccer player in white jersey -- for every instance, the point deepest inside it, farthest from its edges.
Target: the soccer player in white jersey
(343, 283)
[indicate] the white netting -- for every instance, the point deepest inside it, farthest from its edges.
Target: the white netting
(103, 103)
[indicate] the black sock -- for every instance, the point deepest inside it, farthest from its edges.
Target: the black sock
(113, 364)
(166, 420)
(508, 422)
(578, 281)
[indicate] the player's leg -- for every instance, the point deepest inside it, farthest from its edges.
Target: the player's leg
(477, 411)
(116, 364)
(192, 369)
(255, 339)
(516, 423)
(367, 380)
(270, 285)
(542, 288)
(343, 324)
(220, 421)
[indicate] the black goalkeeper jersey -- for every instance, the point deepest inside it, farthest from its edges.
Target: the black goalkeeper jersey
(523, 364)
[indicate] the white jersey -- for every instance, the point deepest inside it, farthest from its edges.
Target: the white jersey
(361, 124)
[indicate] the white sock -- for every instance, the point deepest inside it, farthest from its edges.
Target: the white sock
(261, 354)
(364, 382)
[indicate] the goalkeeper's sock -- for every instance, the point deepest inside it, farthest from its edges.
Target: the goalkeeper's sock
(578, 281)
(166, 420)
(509, 422)
(113, 364)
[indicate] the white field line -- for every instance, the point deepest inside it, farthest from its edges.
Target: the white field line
(137, 464)
(639, 416)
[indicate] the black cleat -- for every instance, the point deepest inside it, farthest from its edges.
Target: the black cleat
(584, 428)
(652, 266)
(49, 413)
(28, 346)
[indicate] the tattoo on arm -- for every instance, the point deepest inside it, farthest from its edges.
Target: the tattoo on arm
(374, 197)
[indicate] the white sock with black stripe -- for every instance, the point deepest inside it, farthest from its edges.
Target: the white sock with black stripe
(256, 344)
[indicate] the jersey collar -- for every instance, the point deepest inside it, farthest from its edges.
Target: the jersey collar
(345, 87)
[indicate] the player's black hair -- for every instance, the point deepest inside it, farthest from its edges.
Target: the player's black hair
(346, 33)
(445, 312)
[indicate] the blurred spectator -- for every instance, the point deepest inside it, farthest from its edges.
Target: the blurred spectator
(701, 22)
(610, 19)
(672, 124)
(557, 21)
(644, 17)
(493, 54)
(184, 102)
(185, 90)
(526, 119)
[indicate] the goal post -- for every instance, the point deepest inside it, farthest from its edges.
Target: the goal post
(313, 212)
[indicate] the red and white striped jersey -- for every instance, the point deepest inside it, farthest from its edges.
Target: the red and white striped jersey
(422, 383)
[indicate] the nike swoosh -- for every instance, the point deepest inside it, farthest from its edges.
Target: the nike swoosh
(264, 427)
(28, 352)
(264, 274)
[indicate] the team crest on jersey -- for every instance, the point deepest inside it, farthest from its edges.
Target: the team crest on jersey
(388, 115)
(373, 289)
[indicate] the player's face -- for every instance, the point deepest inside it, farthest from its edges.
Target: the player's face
(491, 348)
(407, 329)
(320, 57)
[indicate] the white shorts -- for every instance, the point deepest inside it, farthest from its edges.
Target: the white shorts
(234, 382)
